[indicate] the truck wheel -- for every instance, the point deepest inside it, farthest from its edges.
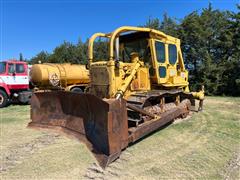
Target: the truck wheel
(3, 99)
(24, 97)
(77, 90)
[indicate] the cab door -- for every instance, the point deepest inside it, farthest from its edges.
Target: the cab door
(172, 61)
(11, 78)
(160, 60)
(17, 76)
(21, 75)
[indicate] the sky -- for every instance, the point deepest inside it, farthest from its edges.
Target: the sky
(30, 26)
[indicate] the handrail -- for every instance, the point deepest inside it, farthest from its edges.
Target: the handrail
(114, 35)
(91, 42)
(125, 29)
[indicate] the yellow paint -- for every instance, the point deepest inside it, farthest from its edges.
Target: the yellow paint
(112, 77)
(199, 95)
(67, 75)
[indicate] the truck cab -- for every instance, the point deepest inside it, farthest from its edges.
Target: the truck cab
(14, 82)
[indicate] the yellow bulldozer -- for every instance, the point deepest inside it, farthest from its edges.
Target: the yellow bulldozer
(142, 86)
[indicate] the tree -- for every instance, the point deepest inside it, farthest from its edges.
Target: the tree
(41, 57)
(153, 23)
(231, 73)
(169, 26)
(207, 43)
(210, 42)
(82, 52)
(20, 57)
(65, 53)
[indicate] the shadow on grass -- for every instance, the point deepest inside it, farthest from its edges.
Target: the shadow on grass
(150, 134)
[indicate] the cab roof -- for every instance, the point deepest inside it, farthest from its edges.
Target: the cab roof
(14, 61)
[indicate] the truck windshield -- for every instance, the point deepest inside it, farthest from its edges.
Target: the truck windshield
(2, 67)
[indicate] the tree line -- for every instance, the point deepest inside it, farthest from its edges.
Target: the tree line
(210, 42)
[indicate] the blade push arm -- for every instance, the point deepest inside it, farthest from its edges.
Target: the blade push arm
(128, 80)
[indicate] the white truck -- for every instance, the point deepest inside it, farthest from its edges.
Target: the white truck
(14, 82)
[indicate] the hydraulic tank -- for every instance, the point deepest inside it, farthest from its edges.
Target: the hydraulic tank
(49, 74)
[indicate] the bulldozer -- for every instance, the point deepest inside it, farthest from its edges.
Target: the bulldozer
(141, 87)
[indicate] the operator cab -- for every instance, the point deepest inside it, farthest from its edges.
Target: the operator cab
(135, 42)
(162, 65)
(160, 54)
(13, 67)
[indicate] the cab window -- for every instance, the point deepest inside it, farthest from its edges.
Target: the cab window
(160, 51)
(172, 53)
(162, 71)
(2, 67)
(11, 68)
(139, 46)
(20, 68)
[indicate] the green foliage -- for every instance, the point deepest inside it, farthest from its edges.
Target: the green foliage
(20, 57)
(65, 53)
(153, 23)
(211, 48)
(210, 44)
(41, 57)
(100, 49)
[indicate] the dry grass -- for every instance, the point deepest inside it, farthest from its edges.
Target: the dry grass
(205, 146)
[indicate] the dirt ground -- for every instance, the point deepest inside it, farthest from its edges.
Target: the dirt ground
(205, 145)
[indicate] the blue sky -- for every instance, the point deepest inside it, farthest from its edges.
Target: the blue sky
(30, 26)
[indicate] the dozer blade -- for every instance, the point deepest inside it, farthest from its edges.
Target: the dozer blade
(100, 124)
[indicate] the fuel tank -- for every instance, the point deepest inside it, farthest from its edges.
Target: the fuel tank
(49, 74)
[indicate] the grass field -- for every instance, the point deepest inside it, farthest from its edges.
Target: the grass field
(203, 146)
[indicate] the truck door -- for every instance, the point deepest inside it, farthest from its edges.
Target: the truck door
(21, 75)
(17, 76)
(11, 79)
